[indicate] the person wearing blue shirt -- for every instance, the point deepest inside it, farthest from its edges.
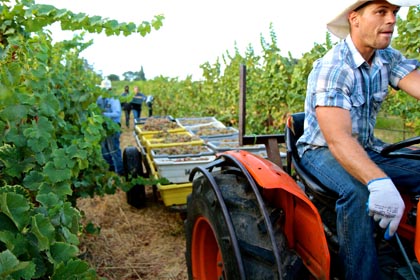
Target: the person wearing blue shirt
(111, 151)
(344, 94)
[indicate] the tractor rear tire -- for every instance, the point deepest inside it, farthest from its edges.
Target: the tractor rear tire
(210, 253)
(133, 166)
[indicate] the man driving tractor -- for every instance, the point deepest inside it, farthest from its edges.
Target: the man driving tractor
(345, 91)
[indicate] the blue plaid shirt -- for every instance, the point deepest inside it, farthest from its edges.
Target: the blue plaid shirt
(111, 108)
(342, 78)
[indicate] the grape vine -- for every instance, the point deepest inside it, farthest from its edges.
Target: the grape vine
(51, 131)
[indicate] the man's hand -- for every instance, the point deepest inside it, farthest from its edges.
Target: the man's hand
(385, 204)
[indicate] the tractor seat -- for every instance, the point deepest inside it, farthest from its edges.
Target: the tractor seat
(294, 129)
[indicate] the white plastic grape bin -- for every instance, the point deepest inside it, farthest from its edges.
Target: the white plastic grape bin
(194, 123)
(221, 146)
(177, 170)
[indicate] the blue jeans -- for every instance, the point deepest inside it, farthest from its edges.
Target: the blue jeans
(355, 227)
(136, 113)
(111, 152)
(127, 117)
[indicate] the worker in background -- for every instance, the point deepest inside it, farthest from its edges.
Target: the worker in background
(149, 103)
(137, 102)
(111, 150)
(126, 105)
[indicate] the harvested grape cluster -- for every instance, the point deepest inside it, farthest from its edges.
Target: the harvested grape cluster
(181, 150)
(193, 121)
(166, 137)
(205, 131)
(153, 124)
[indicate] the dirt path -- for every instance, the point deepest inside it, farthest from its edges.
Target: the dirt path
(134, 243)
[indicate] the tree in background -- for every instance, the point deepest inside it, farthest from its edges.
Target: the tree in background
(113, 77)
(140, 75)
(134, 76)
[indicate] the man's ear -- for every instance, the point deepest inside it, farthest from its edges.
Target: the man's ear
(353, 18)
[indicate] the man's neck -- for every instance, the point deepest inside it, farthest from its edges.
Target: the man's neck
(366, 52)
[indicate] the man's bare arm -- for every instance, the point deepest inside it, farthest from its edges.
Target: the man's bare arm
(335, 124)
(411, 84)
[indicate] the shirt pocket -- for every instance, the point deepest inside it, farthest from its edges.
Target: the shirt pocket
(358, 102)
(378, 98)
(358, 99)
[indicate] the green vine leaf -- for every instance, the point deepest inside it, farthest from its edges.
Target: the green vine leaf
(7, 225)
(61, 189)
(73, 270)
(33, 180)
(15, 112)
(43, 230)
(157, 22)
(63, 252)
(49, 200)
(10, 265)
(39, 135)
(67, 217)
(56, 172)
(16, 207)
(69, 237)
(16, 243)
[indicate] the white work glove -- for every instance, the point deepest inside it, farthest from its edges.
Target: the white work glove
(385, 204)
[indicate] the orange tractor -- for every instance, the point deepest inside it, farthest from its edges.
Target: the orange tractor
(255, 218)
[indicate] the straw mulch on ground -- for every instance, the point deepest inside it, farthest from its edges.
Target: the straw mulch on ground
(133, 243)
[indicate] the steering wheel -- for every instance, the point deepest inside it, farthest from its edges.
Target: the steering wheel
(411, 151)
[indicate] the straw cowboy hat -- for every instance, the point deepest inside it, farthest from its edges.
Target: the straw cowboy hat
(339, 26)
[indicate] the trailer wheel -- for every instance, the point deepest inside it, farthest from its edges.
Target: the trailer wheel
(133, 166)
(211, 252)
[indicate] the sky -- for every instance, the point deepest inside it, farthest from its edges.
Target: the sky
(195, 32)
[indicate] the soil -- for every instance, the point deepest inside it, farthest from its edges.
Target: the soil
(133, 243)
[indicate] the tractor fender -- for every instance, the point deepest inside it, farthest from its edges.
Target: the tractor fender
(302, 223)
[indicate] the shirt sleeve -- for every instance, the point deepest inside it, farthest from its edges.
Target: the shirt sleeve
(115, 111)
(400, 66)
(333, 86)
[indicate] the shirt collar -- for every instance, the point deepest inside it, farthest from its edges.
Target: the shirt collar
(357, 57)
